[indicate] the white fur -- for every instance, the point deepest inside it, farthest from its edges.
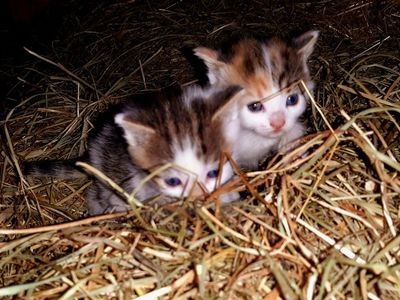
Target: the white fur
(192, 170)
(252, 135)
(211, 78)
(260, 122)
(296, 132)
(194, 92)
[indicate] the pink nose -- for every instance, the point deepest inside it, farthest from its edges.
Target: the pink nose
(277, 121)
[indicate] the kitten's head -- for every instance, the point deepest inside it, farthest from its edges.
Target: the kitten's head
(185, 131)
(267, 70)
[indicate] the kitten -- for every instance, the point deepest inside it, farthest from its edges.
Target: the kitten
(269, 112)
(147, 133)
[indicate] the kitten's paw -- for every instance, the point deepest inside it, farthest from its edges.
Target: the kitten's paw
(229, 197)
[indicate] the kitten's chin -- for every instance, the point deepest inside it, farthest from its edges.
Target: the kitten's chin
(271, 134)
(295, 130)
(276, 135)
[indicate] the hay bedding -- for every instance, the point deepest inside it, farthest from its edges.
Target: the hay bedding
(324, 226)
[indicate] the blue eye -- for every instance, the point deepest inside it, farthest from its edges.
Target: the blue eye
(173, 181)
(255, 106)
(292, 100)
(213, 174)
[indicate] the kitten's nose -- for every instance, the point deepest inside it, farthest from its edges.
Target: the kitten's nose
(277, 121)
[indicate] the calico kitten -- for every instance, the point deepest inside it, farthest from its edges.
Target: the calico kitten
(270, 110)
(149, 132)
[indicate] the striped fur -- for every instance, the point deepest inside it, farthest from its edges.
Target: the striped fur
(267, 70)
(54, 168)
(149, 132)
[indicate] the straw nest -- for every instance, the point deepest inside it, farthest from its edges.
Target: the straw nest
(323, 224)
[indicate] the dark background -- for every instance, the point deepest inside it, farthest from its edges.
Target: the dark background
(58, 29)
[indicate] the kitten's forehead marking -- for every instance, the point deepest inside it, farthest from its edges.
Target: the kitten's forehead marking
(186, 157)
(248, 65)
(280, 92)
(260, 85)
(287, 65)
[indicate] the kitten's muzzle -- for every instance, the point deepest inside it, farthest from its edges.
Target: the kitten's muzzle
(277, 121)
(198, 190)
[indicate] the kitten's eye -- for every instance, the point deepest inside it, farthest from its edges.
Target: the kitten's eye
(255, 106)
(292, 100)
(173, 181)
(213, 173)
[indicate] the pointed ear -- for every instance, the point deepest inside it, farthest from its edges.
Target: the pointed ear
(207, 54)
(135, 133)
(305, 43)
(210, 58)
(224, 100)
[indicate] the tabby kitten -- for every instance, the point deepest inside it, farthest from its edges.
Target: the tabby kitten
(270, 109)
(147, 133)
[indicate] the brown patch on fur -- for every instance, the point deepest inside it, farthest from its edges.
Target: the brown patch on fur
(175, 123)
(288, 66)
(244, 64)
(259, 86)
(247, 57)
(246, 67)
(209, 137)
(154, 153)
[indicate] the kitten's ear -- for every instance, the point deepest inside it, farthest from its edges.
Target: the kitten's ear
(224, 99)
(135, 133)
(210, 58)
(305, 43)
(207, 54)
(200, 68)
